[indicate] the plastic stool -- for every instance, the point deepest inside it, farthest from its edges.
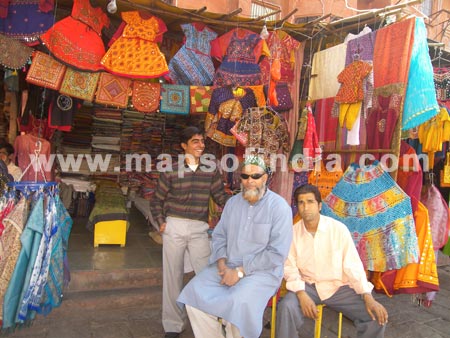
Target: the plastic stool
(273, 320)
(318, 326)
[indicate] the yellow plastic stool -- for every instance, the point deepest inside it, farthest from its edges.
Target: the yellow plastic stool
(273, 320)
(318, 325)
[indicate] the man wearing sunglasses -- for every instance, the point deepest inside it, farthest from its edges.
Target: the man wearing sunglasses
(7, 156)
(249, 246)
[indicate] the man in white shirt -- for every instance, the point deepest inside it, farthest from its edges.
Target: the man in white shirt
(7, 155)
(323, 267)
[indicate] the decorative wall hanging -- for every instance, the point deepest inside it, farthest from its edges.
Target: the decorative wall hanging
(146, 96)
(175, 99)
(113, 90)
(46, 71)
(200, 98)
(13, 53)
(78, 84)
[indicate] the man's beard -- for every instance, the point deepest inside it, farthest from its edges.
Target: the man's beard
(253, 195)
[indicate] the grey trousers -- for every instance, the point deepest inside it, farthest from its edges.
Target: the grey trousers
(181, 236)
(290, 316)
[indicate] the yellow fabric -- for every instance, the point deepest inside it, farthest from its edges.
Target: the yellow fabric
(348, 113)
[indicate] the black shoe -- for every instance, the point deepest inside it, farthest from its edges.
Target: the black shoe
(172, 335)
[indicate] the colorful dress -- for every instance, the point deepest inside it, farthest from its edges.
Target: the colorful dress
(26, 20)
(76, 40)
(192, 64)
(136, 53)
(239, 51)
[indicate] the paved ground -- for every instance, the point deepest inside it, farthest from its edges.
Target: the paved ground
(112, 316)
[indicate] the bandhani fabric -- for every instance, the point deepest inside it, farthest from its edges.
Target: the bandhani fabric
(420, 98)
(146, 96)
(200, 98)
(81, 85)
(26, 21)
(76, 40)
(113, 90)
(136, 53)
(192, 64)
(13, 54)
(175, 99)
(311, 150)
(45, 71)
(326, 66)
(378, 214)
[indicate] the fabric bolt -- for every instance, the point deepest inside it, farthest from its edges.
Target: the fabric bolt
(326, 66)
(146, 96)
(76, 40)
(420, 98)
(113, 90)
(256, 237)
(200, 98)
(239, 51)
(81, 85)
(225, 109)
(192, 64)
(11, 245)
(135, 53)
(175, 99)
(281, 46)
(45, 71)
(26, 21)
(14, 54)
(378, 214)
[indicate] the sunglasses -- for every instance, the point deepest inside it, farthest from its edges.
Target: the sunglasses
(253, 176)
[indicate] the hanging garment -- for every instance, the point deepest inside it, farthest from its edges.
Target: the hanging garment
(311, 149)
(26, 20)
(326, 123)
(420, 98)
(192, 64)
(325, 180)
(11, 245)
(409, 174)
(378, 214)
(239, 51)
(441, 77)
(77, 39)
(135, 53)
(282, 47)
(225, 109)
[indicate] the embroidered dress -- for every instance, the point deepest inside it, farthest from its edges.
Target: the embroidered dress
(76, 40)
(136, 53)
(239, 51)
(192, 64)
(225, 109)
(378, 214)
(26, 20)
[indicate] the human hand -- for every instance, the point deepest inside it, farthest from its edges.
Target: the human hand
(307, 305)
(229, 277)
(375, 309)
(162, 227)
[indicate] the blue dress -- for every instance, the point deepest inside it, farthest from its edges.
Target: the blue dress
(257, 237)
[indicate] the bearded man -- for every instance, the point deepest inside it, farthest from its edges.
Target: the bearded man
(249, 246)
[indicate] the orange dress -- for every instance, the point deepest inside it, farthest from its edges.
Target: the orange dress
(135, 53)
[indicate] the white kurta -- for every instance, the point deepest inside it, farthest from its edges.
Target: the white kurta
(256, 237)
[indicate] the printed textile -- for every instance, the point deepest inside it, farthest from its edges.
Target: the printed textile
(136, 53)
(239, 51)
(13, 54)
(420, 98)
(76, 40)
(113, 90)
(200, 98)
(175, 99)
(146, 96)
(81, 85)
(378, 214)
(192, 64)
(45, 71)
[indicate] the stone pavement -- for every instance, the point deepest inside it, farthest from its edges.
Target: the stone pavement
(135, 312)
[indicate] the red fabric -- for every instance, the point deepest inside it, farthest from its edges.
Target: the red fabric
(4, 8)
(46, 5)
(326, 123)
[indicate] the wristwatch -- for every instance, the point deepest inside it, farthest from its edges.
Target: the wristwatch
(240, 273)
